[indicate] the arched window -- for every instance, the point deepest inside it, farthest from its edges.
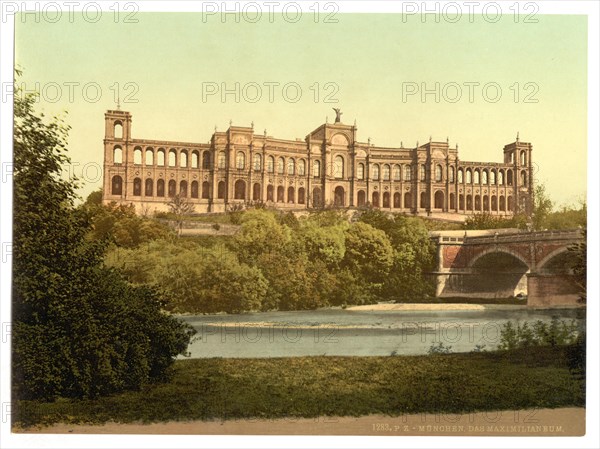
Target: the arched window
(509, 177)
(375, 172)
(492, 177)
(183, 189)
(301, 195)
(206, 190)
(317, 200)
(460, 176)
(422, 172)
(469, 202)
(301, 172)
(118, 155)
(407, 200)
(149, 190)
(438, 200)
(486, 203)
(375, 199)
(338, 167)
(523, 178)
(183, 159)
(291, 196)
(160, 157)
(149, 156)
(438, 173)
(468, 176)
(509, 203)
(206, 160)
(484, 177)
(195, 159)
(461, 201)
(317, 169)
(220, 190)
(502, 203)
(172, 158)
(257, 165)
(291, 167)
(477, 202)
(256, 192)
(270, 164)
(280, 166)
(270, 195)
(137, 187)
(500, 177)
(522, 157)
(221, 161)
(494, 203)
(118, 130)
(137, 156)
(386, 199)
(386, 176)
(396, 173)
(160, 187)
(476, 177)
(172, 188)
(240, 160)
(116, 185)
(452, 201)
(451, 174)
(280, 194)
(239, 190)
(194, 189)
(424, 203)
(397, 200)
(407, 173)
(360, 171)
(362, 198)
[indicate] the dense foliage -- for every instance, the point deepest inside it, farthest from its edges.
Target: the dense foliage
(280, 262)
(79, 328)
(293, 387)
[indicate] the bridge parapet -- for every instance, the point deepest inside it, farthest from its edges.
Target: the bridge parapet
(570, 234)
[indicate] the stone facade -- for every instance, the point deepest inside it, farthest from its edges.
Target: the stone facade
(330, 167)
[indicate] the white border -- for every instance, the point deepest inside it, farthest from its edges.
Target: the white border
(591, 440)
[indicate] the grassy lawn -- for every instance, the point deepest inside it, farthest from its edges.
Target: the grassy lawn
(341, 386)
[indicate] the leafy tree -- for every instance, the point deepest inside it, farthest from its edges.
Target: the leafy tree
(119, 224)
(413, 256)
(79, 329)
(567, 217)
(542, 207)
(489, 221)
(368, 252)
(323, 243)
(181, 208)
(260, 234)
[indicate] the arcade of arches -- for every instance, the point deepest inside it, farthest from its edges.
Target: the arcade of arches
(328, 168)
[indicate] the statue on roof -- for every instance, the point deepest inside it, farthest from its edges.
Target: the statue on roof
(338, 115)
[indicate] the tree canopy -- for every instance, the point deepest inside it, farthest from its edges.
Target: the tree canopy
(79, 328)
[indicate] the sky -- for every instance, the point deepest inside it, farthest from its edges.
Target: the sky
(486, 82)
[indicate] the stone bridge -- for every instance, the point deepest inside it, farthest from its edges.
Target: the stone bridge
(503, 264)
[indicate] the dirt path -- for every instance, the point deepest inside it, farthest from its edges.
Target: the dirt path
(535, 422)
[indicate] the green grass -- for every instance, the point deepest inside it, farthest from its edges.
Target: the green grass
(334, 386)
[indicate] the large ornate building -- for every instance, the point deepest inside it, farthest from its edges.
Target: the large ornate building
(330, 167)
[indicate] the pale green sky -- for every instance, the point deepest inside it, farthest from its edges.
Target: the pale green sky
(367, 56)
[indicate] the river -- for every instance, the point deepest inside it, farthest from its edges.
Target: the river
(337, 332)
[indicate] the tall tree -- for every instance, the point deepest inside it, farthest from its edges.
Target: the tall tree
(181, 208)
(79, 329)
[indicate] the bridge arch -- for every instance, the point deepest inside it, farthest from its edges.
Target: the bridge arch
(499, 273)
(558, 261)
(499, 250)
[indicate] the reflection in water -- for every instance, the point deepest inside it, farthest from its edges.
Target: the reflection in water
(358, 333)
